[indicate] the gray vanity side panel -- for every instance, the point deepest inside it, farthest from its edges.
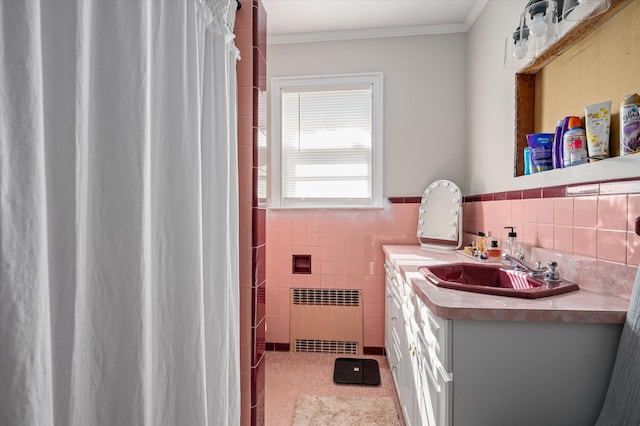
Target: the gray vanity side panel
(530, 373)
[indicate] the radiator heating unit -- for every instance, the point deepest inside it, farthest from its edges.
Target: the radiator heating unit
(326, 320)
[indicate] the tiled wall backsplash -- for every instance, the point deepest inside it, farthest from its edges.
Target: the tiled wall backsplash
(597, 226)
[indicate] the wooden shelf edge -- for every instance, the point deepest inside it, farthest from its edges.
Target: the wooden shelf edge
(578, 32)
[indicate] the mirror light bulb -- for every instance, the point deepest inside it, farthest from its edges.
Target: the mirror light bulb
(538, 26)
(520, 49)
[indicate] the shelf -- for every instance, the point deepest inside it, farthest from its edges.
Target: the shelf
(563, 80)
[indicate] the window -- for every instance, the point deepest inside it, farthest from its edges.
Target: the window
(327, 141)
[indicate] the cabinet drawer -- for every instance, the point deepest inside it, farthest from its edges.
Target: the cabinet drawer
(436, 387)
(435, 331)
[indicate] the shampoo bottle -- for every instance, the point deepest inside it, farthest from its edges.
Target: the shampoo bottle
(558, 161)
(575, 132)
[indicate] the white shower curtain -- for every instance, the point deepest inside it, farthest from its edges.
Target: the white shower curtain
(119, 213)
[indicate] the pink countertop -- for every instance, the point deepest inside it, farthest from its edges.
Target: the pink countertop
(584, 305)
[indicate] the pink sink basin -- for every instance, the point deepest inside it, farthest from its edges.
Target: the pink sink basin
(492, 279)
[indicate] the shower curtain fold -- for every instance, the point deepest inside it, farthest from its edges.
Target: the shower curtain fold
(118, 210)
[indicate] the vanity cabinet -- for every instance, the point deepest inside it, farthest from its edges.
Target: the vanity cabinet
(399, 344)
(451, 371)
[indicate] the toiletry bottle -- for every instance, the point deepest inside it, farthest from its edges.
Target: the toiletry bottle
(558, 162)
(575, 132)
(630, 124)
(494, 250)
(578, 153)
(510, 244)
(527, 161)
(480, 243)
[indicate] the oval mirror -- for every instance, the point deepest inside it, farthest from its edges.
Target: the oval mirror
(440, 216)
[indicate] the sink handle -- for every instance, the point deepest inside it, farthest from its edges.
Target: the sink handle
(551, 275)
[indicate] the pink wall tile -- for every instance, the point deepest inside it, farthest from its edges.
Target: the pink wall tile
(341, 280)
(371, 254)
(530, 234)
(633, 211)
(612, 212)
(563, 211)
(341, 267)
(314, 239)
(298, 239)
(517, 210)
(545, 235)
(563, 238)
(327, 281)
(313, 221)
(505, 210)
(612, 245)
(545, 210)
(530, 210)
(585, 211)
(633, 249)
(327, 267)
(492, 210)
(298, 223)
(585, 241)
(327, 222)
(329, 239)
(481, 210)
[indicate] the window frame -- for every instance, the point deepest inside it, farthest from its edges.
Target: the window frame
(327, 82)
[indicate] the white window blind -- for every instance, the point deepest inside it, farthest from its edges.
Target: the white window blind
(329, 144)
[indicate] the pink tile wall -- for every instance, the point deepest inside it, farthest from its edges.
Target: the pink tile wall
(598, 226)
(345, 245)
(345, 249)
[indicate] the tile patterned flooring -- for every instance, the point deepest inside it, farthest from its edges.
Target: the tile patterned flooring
(290, 374)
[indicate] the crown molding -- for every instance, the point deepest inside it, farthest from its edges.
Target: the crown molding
(366, 33)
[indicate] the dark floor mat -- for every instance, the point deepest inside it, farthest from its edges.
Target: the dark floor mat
(355, 371)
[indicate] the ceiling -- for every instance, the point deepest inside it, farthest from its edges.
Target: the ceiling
(290, 21)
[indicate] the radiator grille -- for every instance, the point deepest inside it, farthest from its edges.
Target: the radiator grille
(326, 297)
(326, 346)
(326, 320)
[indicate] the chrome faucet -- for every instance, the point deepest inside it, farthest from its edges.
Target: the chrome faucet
(517, 263)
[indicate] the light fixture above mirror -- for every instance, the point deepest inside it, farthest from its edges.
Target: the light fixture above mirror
(538, 27)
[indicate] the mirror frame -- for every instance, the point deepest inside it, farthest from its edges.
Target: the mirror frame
(440, 216)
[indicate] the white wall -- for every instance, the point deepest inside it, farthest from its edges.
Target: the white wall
(424, 99)
(491, 114)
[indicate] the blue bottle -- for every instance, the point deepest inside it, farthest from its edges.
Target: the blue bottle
(527, 160)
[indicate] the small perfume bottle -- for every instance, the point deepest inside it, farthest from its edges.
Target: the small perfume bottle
(480, 243)
(494, 250)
